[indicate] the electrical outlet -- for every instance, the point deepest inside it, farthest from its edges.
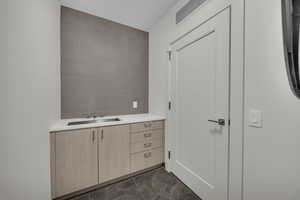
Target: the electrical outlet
(135, 104)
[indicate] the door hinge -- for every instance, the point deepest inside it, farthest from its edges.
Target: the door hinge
(229, 122)
(170, 105)
(170, 55)
(169, 155)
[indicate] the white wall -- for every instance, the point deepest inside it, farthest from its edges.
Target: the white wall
(29, 95)
(165, 32)
(272, 161)
(271, 154)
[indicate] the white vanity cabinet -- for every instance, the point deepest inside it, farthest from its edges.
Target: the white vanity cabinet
(87, 158)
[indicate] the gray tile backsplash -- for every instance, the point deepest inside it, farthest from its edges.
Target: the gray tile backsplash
(104, 66)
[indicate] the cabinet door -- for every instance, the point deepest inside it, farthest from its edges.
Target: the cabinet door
(76, 161)
(114, 152)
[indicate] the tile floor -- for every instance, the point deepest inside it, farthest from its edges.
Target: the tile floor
(154, 185)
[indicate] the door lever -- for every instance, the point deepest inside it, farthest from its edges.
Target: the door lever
(221, 122)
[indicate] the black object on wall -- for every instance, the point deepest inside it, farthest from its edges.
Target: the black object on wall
(291, 26)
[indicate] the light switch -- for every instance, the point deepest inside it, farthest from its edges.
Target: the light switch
(255, 119)
(135, 104)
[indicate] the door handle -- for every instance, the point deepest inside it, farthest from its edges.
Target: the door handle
(221, 122)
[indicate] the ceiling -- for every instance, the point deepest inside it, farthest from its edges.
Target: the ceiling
(140, 14)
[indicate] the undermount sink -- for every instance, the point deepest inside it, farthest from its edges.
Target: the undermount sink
(82, 122)
(93, 121)
(111, 120)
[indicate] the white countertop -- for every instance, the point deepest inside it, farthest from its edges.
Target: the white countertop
(62, 125)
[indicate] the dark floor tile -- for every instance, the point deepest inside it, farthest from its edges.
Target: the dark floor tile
(144, 184)
(125, 190)
(82, 197)
(181, 191)
(157, 184)
(161, 185)
(154, 185)
(160, 198)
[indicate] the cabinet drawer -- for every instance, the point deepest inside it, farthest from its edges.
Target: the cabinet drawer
(149, 135)
(146, 145)
(143, 160)
(140, 127)
(156, 125)
(146, 126)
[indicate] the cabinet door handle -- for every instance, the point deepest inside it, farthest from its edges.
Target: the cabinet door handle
(147, 135)
(93, 136)
(147, 145)
(102, 134)
(147, 155)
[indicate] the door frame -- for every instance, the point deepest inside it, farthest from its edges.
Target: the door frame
(206, 29)
(236, 90)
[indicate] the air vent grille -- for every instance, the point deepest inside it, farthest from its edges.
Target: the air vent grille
(187, 9)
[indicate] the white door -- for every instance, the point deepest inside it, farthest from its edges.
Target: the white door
(200, 92)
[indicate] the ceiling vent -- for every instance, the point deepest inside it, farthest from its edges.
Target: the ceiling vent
(187, 9)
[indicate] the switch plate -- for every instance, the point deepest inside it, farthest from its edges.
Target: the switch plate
(255, 119)
(135, 104)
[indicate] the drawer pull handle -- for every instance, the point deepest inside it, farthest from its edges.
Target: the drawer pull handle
(147, 145)
(147, 155)
(147, 124)
(147, 135)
